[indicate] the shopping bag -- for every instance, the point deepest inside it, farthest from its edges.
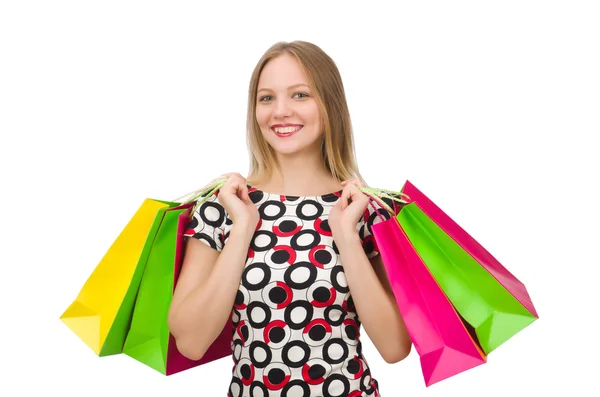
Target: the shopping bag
(469, 244)
(488, 297)
(101, 312)
(149, 340)
(443, 342)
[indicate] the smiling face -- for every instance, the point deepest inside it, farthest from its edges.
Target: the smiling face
(286, 111)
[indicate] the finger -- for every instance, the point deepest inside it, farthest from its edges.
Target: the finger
(228, 179)
(240, 179)
(338, 204)
(233, 186)
(239, 188)
(234, 177)
(358, 185)
(356, 195)
(345, 197)
(227, 186)
(245, 195)
(351, 192)
(355, 188)
(355, 182)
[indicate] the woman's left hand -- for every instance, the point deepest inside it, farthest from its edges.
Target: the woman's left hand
(344, 216)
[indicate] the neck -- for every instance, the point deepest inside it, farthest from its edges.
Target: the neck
(304, 175)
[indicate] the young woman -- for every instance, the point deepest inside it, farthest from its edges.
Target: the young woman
(289, 249)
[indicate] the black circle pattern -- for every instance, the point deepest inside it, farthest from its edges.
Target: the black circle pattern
(296, 331)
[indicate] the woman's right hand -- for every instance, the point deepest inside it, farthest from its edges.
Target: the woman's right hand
(233, 195)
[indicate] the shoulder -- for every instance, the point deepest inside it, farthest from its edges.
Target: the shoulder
(209, 222)
(212, 211)
(374, 214)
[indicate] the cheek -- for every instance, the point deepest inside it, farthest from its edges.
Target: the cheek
(312, 113)
(262, 116)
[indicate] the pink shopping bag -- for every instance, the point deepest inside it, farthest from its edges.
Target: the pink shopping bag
(221, 346)
(515, 287)
(445, 346)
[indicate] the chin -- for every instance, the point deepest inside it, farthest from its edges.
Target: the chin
(288, 146)
(287, 149)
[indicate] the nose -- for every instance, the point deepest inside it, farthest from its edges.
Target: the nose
(282, 108)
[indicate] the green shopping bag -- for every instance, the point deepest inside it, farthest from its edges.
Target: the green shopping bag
(101, 313)
(488, 297)
(149, 340)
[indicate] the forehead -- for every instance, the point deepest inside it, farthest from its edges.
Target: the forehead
(281, 72)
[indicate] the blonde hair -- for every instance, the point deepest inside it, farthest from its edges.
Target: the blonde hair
(326, 83)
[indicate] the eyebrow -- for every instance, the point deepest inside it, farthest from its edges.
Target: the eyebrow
(292, 86)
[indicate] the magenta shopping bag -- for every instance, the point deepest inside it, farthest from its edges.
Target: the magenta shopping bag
(471, 246)
(221, 346)
(487, 296)
(444, 344)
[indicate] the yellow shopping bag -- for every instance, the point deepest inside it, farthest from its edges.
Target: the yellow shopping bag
(101, 313)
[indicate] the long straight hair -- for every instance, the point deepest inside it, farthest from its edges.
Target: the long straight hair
(325, 81)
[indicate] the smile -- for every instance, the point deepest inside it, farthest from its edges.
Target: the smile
(284, 132)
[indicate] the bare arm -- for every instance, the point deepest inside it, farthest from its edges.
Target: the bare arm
(372, 293)
(206, 291)
(375, 301)
(209, 279)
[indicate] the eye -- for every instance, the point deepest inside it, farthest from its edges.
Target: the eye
(301, 93)
(263, 98)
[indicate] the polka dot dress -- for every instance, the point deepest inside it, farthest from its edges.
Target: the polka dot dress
(297, 333)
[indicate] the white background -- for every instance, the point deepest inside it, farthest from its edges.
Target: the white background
(490, 108)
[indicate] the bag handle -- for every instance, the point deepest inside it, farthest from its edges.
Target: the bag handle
(207, 191)
(378, 194)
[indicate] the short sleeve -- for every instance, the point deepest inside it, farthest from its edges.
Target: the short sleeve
(210, 223)
(374, 214)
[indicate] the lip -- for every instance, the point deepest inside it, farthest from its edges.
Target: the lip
(285, 125)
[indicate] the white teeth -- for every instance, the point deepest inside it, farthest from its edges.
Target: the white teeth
(286, 130)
